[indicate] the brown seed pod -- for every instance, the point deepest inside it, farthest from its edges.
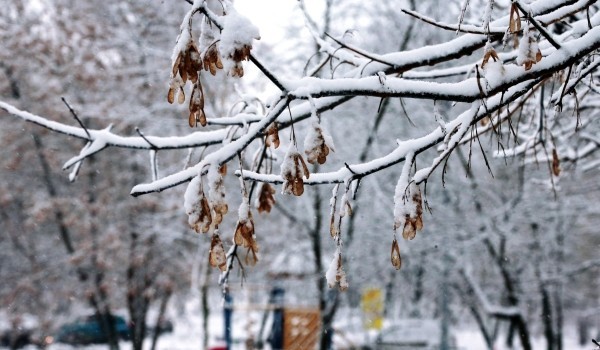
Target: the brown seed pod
(216, 254)
(555, 163)
(316, 145)
(266, 198)
(491, 53)
(395, 255)
(409, 231)
(171, 95)
(292, 174)
(273, 135)
(514, 22)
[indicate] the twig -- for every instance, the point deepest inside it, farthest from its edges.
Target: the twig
(77, 118)
(460, 28)
(360, 52)
(537, 25)
(152, 146)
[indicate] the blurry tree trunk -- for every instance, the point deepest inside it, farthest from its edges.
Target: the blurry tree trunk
(205, 307)
(161, 316)
(138, 299)
(547, 318)
(97, 299)
(105, 317)
(468, 298)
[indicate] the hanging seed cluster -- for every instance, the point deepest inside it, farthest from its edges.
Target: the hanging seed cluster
(408, 212)
(293, 169)
(317, 145)
(235, 40)
(529, 52)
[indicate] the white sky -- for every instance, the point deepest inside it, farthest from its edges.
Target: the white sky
(271, 16)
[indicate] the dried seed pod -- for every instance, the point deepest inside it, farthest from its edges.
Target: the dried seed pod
(292, 170)
(216, 194)
(409, 231)
(335, 274)
(196, 106)
(212, 60)
(529, 51)
(266, 198)
(555, 163)
(412, 219)
(175, 68)
(514, 22)
(273, 135)
(171, 95)
(251, 256)
(333, 230)
(199, 216)
(489, 53)
(395, 255)
(317, 144)
(244, 233)
(181, 97)
(216, 254)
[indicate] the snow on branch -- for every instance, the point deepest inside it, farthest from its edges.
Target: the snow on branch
(108, 138)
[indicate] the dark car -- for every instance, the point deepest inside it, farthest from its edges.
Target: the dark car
(87, 330)
(15, 339)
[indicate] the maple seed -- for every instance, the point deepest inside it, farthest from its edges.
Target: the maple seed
(216, 254)
(491, 53)
(273, 135)
(196, 106)
(212, 60)
(514, 23)
(266, 198)
(395, 255)
(291, 171)
(555, 163)
(244, 234)
(171, 95)
(317, 145)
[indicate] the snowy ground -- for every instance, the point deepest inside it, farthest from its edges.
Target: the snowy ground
(187, 334)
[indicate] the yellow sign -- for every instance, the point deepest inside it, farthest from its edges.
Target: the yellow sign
(372, 307)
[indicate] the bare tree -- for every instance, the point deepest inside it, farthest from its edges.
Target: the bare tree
(538, 54)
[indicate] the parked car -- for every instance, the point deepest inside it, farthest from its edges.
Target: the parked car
(87, 330)
(15, 339)
(412, 334)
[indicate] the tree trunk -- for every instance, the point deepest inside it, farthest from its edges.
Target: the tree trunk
(161, 315)
(205, 307)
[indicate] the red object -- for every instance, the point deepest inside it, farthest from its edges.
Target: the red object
(217, 347)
